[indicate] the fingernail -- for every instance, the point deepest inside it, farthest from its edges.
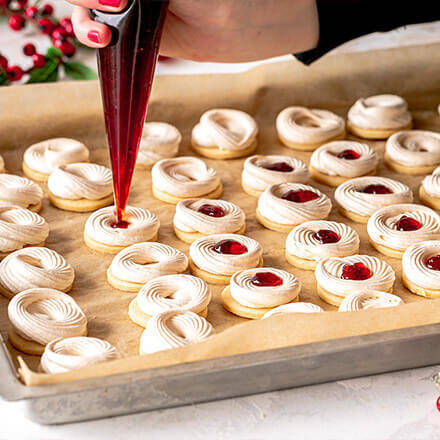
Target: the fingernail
(112, 3)
(93, 36)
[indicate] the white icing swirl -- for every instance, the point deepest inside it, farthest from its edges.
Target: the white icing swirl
(159, 141)
(173, 329)
(184, 177)
(382, 230)
(225, 129)
(257, 297)
(259, 178)
(325, 159)
(308, 126)
(188, 219)
(69, 354)
(349, 195)
(143, 226)
(35, 267)
(45, 156)
(328, 274)
(142, 262)
(81, 181)
(20, 227)
(431, 183)
(370, 299)
(42, 315)
(302, 243)
(272, 206)
(295, 307)
(202, 253)
(413, 148)
(19, 191)
(380, 112)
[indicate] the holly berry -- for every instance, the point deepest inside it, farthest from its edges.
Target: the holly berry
(66, 47)
(29, 49)
(4, 3)
(22, 3)
(30, 12)
(14, 73)
(59, 33)
(46, 26)
(66, 24)
(16, 22)
(3, 62)
(438, 404)
(47, 10)
(38, 60)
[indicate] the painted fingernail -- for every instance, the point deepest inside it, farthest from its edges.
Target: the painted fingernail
(112, 3)
(93, 36)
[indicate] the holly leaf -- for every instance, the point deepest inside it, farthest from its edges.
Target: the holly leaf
(78, 70)
(47, 73)
(53, 53)
(3, 78)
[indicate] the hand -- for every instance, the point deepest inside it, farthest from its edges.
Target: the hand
(217, 30)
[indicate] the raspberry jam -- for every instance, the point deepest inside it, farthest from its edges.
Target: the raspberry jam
(120, 224)
(300, 196)
(376, 189)
(266, 279)
(433, 262)
(406, 224)
(348, 155)
(325, 236)
(356, 272)
(211, 210)
(282, 167)
(230, 247)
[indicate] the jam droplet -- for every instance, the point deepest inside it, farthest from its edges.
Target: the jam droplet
(282, 167)
(325, 236)
(266, 279)
(230, 247)
(376, 189)
(356, 272)
(349, 155)
(121, 224)
(212, 210)
(406, 223)
(433, 262)
(300, 196)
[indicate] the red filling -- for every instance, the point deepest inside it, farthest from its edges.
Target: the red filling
(433, 262)
(300, 196)
(282, 167)
(406, 223)
(376, 189)
(266, 279)
(230, 247)
(325, 236)
(121, 224)
(349, 155)
(356, 271)
(212, 210)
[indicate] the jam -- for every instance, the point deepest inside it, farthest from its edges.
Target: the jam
(356, 272)
(376, 189)
(230, 247)
(406, 224)
(348, 155)
(212, 210)
(282, 167)
(325, 236)
(266, 279)
(120, 224)
(433, 262)
(300, 196)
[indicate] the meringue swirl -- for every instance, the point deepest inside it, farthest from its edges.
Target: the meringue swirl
(35, 267)
(349, 195)
(272, 206)
(19, 191)
(370, 299)
(76, 352)
(302, 243)
(42, 315)
(380, 112)
(173, 329)
(431, 183)
(204, 256)
(184, 177)
(81, 181)
(295, 307)
(226, 129)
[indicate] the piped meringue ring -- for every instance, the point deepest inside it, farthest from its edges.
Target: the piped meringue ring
(99, 234)
(197, 218)
(20, 191)
(393, 228)
(33, 267)
(254, 292)
(225, 134)
(170, 292)
(184, 178)
(429, 191)
(259, 172)
(292, 308)
(306, 129)
(140, 263)
(370, 299)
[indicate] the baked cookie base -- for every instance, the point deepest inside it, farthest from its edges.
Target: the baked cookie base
(251, 191)
(274, 226)
(332, 181)
(371, 133)
(35, 208)
(385, 250)
(80, 205)
(353, 216)
(105, 248)
(425, 198)
(126, 286)
(23, 345)
(309, 147)
(418, 290)
(331, 298)
(190, 237)
(169, 198)
(399, 168)
(34, 175)
(301, 263)
(217, 153)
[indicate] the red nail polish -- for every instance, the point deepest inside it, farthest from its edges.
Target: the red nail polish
(93, 36)
(112, 3)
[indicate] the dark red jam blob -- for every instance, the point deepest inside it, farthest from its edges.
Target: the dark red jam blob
(376, 189)
(266, 279)
(212, 210)
(282, 167)
(349, 155)
(230, 247)
(121, 224)
(325, 236)
(300, 196)
(406, 223)
(433, 262)
(356, 272)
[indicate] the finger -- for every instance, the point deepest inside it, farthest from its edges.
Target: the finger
(89, 32)
(102, 5)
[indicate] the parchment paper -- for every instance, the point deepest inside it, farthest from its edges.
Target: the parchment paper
(33, 113)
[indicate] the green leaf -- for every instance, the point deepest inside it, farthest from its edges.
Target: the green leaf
(53, 53)
(78, 70)
(46, 73)
(3, 78)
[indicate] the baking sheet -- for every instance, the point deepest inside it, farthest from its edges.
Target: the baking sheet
(32, 113)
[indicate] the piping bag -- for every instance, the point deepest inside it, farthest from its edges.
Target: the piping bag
(126, 69)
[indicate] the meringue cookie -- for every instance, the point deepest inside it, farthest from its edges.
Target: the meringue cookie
(173, 329)
(296, 307)
(370, 299)
(2, 165)
(62, 355)
(257, 174)
(33, 267)
(159, 141)
(20, 191)
(429, 191)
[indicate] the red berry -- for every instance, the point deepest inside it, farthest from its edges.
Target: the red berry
(349, 155)
(4, 3)
(31, 12)
(212, 210)
(282, 167)
(29, 49)
(230, 247)
(14, 73)
(438, 404)
(356, 272)
(376, 189)
(433, 262)
(66, 23)
(300, 196)
(66, 47)
(47, 10)
(266, 279)
(22, 3)
(59, 33)
(406, 223)
(325, 236)
(16, 22)
(38, 60)
(3, 62)
(46, 26)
